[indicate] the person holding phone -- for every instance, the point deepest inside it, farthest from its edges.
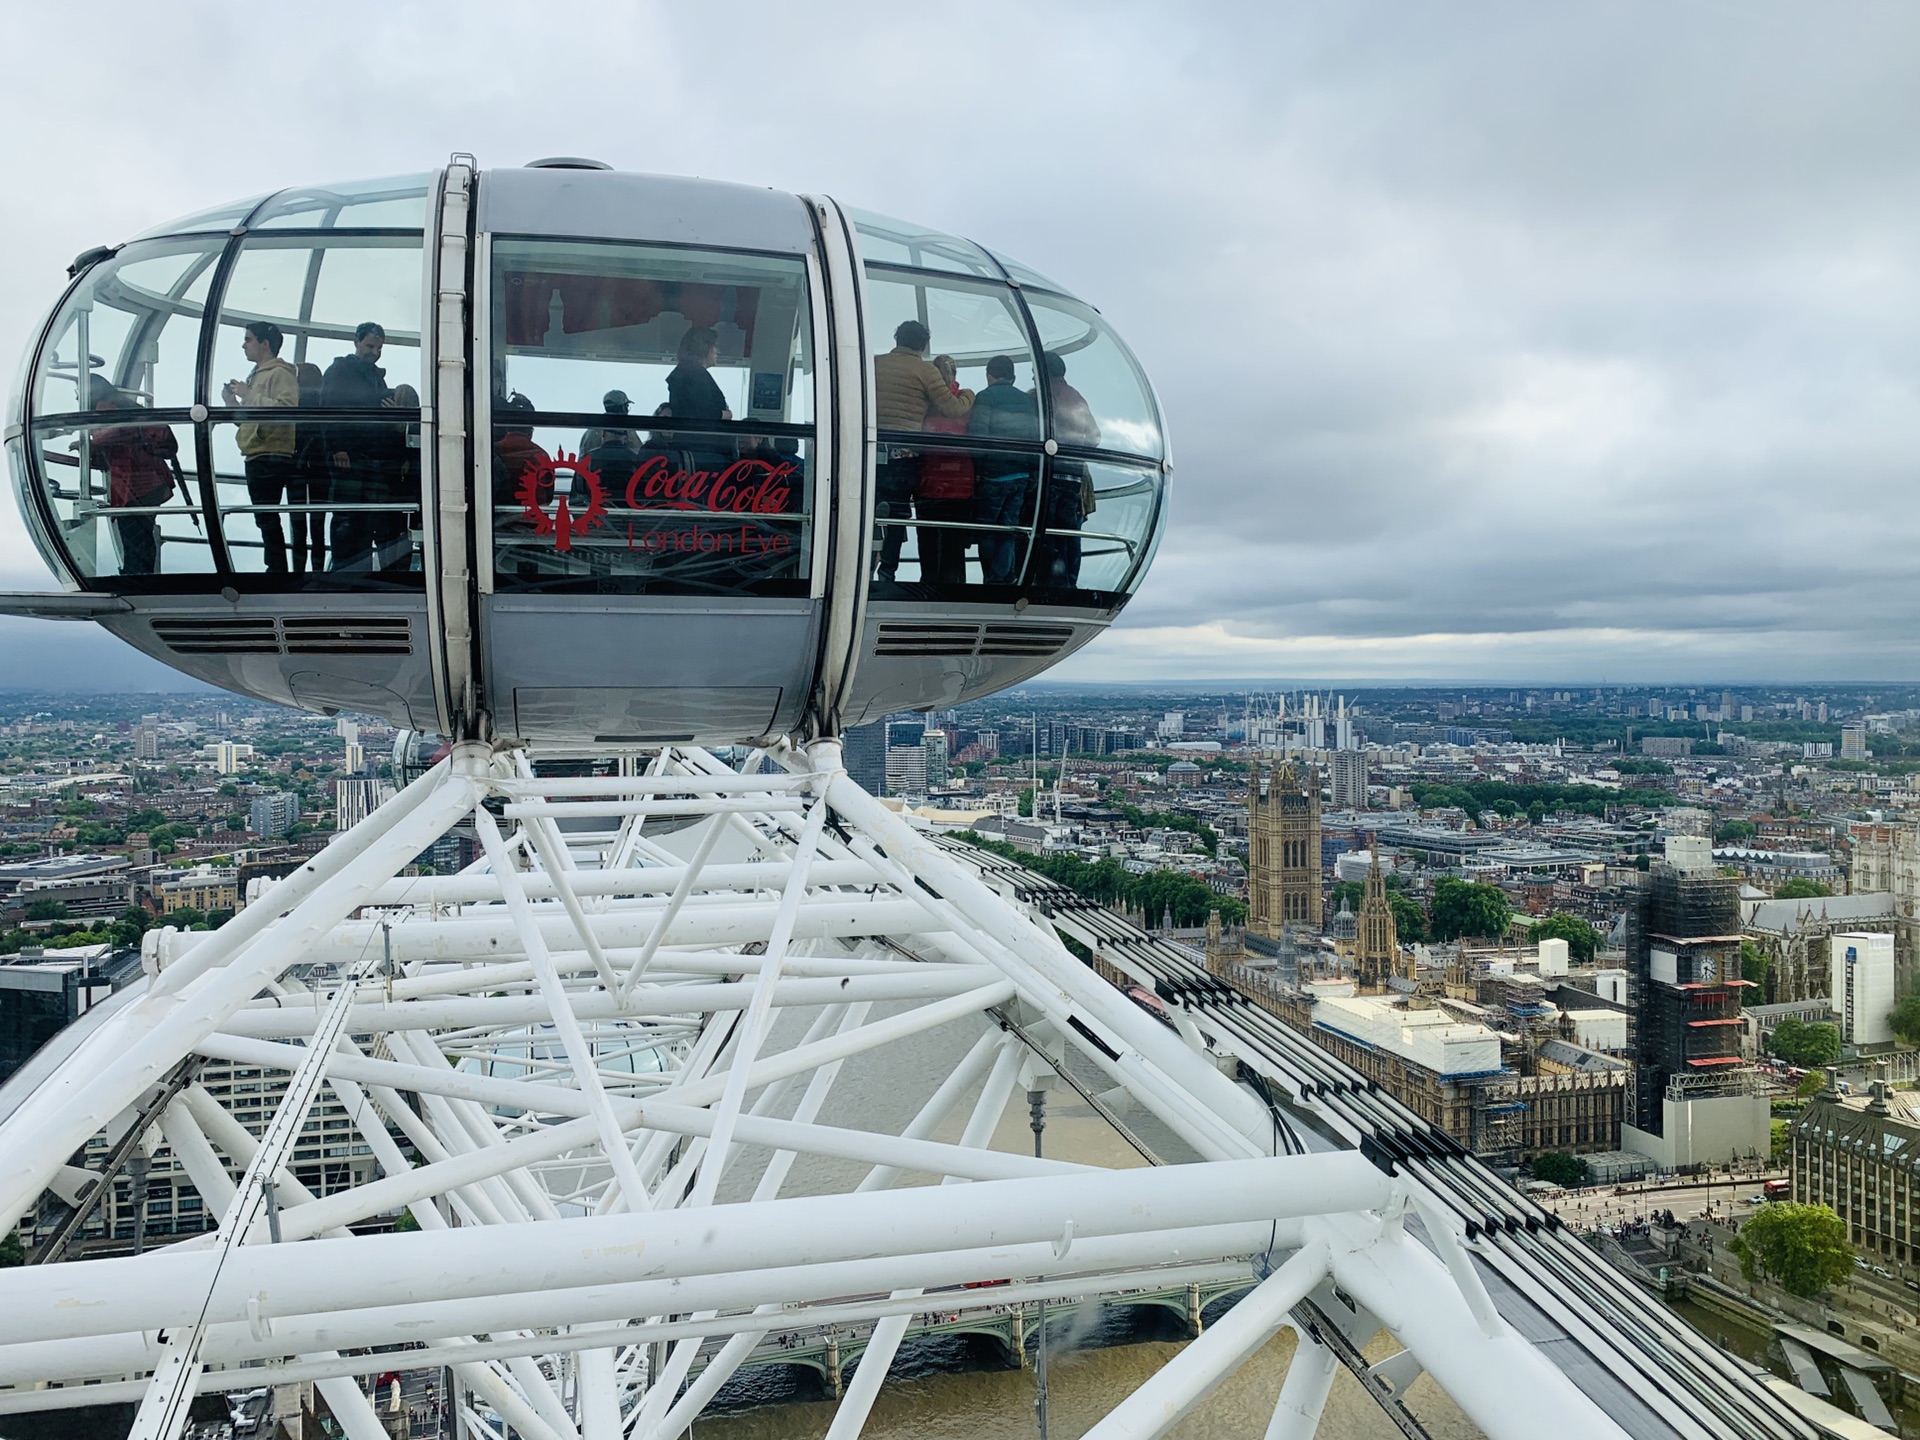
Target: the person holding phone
(267, 446)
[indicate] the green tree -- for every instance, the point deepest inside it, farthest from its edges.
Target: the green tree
(1802, 890)
(148, 819)
(1799, 1043)
(1811, 1085)
(11, 1252)
(236, 821)
(1780, 1150)
(1026, 802)
(1467, 907)
(1557, 1167)
(1349, 892)
(1905, 1019)
(1735, 832)
(1582, 939)
(47, 910)
(1804, 1247)
(1409, 920)
(1754, 965)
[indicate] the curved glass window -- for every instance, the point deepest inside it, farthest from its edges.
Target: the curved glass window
(327, 327)
(1100, 400)
(221, 217)
(397, 202)
(886, 241)
(123, 496)
(318, 292)
(1098, 526)
(320, 501)
(131, 327)
(966, 517)
(653, 419)
(1026, 274)
(957, 475)
(298, 478)
(969, 322)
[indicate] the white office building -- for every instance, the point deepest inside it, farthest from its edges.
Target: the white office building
(907, 770)
(1862, 979)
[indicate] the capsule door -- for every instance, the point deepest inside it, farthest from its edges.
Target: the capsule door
(648, 481)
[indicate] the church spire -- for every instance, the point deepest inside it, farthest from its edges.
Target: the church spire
(1377, 951)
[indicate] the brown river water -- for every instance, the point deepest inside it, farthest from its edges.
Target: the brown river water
(945, 1387)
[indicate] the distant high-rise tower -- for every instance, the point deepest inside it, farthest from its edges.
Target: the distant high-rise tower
(1348, 771)
(1283, 853)
(1376, 954)
(864, 753)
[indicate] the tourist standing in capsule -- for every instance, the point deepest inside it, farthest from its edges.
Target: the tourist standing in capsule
(906, 390)
(945, 493)
(267, 448)
(139, 461)
(1003, 491)
(365, 458)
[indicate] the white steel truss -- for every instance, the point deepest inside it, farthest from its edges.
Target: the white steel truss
(593, 1069)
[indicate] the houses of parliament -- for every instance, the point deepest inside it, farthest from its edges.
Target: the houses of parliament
(1284, 879)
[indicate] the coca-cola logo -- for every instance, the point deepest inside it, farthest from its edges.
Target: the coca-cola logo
(744, 487)
(548, 499)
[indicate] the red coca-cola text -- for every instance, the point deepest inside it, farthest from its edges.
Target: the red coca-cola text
(744, 487)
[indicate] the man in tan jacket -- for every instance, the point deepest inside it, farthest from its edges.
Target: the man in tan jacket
(906, 389)
(266, 446)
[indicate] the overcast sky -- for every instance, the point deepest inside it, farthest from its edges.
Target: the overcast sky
(1504, 341)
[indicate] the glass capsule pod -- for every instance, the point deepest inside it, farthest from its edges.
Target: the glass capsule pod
(569, 454)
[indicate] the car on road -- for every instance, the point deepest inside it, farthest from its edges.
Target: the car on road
(1860, 1264)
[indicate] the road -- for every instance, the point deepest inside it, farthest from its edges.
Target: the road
(1585, 1209)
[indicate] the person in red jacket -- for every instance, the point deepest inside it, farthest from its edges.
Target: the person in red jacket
(138, 460)
(944, 492)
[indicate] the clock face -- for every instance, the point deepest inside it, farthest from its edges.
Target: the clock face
(1709, 969)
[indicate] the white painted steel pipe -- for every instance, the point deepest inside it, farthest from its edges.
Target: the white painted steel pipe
(484, 888)
(377, 1197)
(144, 1292)
(1411, 1294)
(444, 978)
(725, 783)
(65, 1361)
(1192, 1375)
(375, 1017)
(1303, 1394)
(727, 921)
(597, 809)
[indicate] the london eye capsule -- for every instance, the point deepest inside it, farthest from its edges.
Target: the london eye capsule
(565, 453)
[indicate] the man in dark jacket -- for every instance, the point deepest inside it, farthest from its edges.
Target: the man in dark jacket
(366, 460)
(1003, 484)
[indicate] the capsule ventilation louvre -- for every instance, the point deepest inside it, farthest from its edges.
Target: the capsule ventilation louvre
(936, 638)
(298, 635)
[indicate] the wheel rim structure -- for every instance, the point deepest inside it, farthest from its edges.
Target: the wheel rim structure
(587, 1066)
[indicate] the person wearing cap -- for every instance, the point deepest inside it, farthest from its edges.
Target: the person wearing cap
(614, 452)
(614, 402)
